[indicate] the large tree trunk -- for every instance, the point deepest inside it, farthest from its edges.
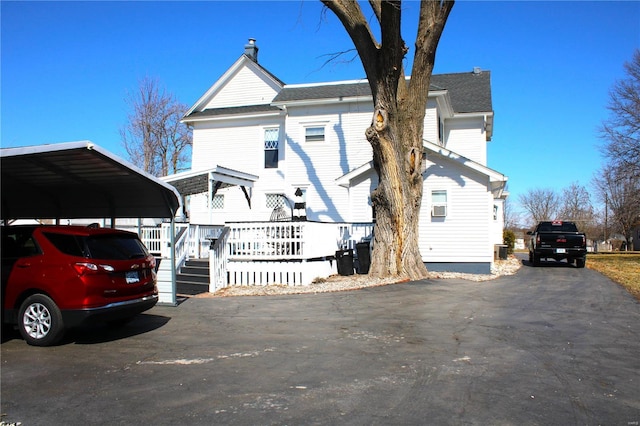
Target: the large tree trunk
(397, 157)
(396, 130)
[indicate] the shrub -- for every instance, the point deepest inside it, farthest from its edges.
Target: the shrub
(509, 238)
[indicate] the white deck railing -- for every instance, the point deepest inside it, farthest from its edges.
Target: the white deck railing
(259, 253)
(293, 240)
(290, 253)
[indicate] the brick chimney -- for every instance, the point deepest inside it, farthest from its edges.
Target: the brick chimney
(251, 50)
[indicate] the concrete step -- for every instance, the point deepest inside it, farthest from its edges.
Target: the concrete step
(195, 270)
(193, 278)
(191, 289)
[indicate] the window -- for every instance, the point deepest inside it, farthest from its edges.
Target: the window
(439, 203)
(271, 137)
(18, 242)
(68, 244)
(274, 201)
(495, 212)
(314, 134)
(116, 247)
(217, 203)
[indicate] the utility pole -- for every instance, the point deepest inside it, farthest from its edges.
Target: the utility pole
(606, 212)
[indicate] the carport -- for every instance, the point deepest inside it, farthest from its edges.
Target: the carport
(81, 180)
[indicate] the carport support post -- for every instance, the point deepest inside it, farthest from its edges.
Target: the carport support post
(172, 241)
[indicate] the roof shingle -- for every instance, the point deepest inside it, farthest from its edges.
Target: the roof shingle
(469, 92)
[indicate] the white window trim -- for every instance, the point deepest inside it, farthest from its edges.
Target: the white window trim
(279, 142)
(439, 208)
(315, 124)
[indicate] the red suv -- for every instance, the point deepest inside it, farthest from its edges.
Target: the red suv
(59, 277)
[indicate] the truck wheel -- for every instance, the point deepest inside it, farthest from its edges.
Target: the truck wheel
(580, 262)
(40, 321)
(536, 259)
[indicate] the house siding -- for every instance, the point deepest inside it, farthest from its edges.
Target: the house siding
(360, 198)
(248, 86)
(463, 235)
(467, 137)
(317, 164)
(430, 131)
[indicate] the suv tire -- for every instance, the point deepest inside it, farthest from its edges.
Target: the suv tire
(40, 321)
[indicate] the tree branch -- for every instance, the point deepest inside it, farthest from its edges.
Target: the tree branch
(433, 16)
(351, 17)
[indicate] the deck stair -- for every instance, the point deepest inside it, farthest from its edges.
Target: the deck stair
(193, 278)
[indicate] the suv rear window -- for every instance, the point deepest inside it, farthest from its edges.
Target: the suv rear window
(110, 247)
(116, 247)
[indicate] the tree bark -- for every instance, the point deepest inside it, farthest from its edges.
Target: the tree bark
(396, 129)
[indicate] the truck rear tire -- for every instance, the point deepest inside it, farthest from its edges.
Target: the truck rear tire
(536, 259)
(580, 262)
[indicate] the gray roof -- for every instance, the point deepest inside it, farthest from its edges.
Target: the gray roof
(469, 92)
(248, 109)
(325, 91)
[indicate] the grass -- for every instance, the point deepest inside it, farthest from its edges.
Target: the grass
(621, 267)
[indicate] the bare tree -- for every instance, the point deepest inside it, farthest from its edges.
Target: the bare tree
(396, 130)
(154, 138)
(512, 218)
(620, 189)
(541, 204)
(576, 206)
(621, 131)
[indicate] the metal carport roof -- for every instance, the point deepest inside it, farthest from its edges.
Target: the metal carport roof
(79, 180)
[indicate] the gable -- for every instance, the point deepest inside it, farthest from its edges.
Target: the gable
(247, 86)
(246, 83)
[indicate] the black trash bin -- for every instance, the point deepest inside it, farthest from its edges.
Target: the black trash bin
(502, 252)
(364, 257)
(344, 259)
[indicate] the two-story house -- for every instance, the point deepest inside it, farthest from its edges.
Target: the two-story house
(304, 146)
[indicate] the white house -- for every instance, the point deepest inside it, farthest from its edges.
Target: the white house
(278, 147)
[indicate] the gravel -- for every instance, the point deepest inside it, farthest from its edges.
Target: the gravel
(353, 282)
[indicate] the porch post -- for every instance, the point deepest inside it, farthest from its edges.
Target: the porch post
(172, 239)
(210, 196)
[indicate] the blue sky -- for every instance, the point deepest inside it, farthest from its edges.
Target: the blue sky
(66, 67)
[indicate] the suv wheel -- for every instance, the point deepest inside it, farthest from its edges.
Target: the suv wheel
(580, 262)
(40, 321)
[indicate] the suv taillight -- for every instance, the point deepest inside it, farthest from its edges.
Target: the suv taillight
(83, 268)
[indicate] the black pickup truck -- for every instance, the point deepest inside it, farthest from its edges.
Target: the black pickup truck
(557, 240)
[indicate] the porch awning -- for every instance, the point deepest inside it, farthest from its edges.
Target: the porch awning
(202, 181)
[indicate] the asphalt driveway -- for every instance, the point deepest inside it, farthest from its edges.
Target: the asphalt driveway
(550, 345)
